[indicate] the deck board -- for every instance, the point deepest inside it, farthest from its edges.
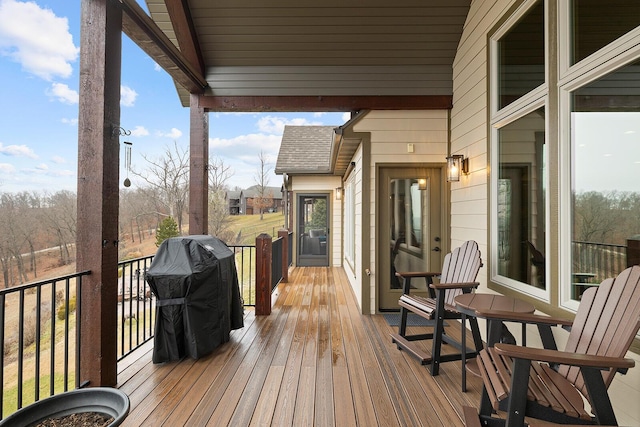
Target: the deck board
(314, 361)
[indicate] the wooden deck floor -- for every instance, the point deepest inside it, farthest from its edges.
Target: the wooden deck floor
(314, 361)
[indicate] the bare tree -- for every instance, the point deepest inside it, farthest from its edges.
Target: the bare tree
(594, 218)
(137, 214)
(59, 216)
(19, 228)
(219, 173)
(263, 199)
(168, 179)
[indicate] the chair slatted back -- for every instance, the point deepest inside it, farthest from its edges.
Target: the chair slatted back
(460, 266)
(606, 323)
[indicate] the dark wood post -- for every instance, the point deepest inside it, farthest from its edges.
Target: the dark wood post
(284, 235)
(198, 168)
(98, 189)
(263, 274)
(633, 250)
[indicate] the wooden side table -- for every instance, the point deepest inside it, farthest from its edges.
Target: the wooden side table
(471, 304)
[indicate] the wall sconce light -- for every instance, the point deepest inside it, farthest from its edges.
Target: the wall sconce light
(456, 165)
(339, 193)
(422, 183)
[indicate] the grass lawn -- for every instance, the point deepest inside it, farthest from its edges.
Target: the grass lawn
(250, 226)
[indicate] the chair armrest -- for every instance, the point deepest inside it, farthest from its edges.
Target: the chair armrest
(462, 285)
(509, 316)
(563, 357)
(412, 274)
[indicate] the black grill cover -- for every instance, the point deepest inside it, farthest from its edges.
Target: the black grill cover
(195, 281)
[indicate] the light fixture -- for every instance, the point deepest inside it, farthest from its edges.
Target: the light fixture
(422, 183)
(339, 193)
(456, 165)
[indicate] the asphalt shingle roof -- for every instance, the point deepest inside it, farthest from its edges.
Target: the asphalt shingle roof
(305, 149)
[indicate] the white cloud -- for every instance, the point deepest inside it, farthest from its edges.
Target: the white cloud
(127, 96)
(17, 151)
(42, 167)
(7, 168)
(156, 67)
(346, 117)
(58, 160)
(173, 134)
(275, 125)
(139, 131)
(37, 39)
(245, 145)
(70, 122)
(63, 93)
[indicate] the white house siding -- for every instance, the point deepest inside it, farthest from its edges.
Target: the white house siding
(391, 131)
(324, 184)
(469, 197)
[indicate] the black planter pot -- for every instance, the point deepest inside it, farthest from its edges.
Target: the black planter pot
(108, 401)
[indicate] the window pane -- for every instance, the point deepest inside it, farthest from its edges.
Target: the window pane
(605, 147)
(597, 23)
(521, 200)
(521, 63)
(406, 213)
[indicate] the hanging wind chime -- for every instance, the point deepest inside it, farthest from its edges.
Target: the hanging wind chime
(127, 162)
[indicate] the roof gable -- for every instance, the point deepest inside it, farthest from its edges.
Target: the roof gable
(305, 150)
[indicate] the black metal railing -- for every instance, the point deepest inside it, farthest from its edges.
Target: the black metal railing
(136, 305)
(245, 266)
(290, 249)
(39, 333)
(40, 330)
(276, 262)
(601, 260)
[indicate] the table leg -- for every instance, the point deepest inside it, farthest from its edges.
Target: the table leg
(463, 350)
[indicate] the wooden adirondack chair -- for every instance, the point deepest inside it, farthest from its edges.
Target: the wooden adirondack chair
(459, 272)
(605, 325)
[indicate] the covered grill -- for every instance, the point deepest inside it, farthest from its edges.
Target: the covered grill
(195, 281)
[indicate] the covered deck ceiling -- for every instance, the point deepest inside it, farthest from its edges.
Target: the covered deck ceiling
(284, 55)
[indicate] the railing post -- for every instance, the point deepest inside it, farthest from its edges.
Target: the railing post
(284, 235)
(633, 250)
(263, 274)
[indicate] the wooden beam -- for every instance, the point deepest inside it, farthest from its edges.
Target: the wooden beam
(323, 103)
(180, 17)
(149, 37)
(98, 189)
(198, 169)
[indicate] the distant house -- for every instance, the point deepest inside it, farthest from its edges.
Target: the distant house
(233, 201)
(250, 196)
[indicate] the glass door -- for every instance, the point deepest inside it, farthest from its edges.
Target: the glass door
(313, 230)
(410, 229)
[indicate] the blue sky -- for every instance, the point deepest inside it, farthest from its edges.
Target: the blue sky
(39, 61)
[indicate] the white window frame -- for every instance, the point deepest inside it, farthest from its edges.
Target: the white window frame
(610, 58)
(350, 221)
(529, 102)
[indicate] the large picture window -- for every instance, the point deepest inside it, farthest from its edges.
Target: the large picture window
(605, 177)
(597, 23)
(522, 56)
(519, 154)
(521, 200)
